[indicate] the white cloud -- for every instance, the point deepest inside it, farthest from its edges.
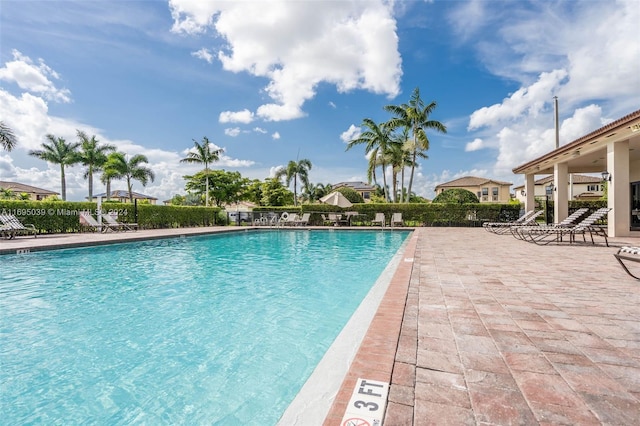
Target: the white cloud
(297, 45)
(204, 54)
(33, 77)
(259, 130)
(569, 51)
(275, 136)
(245, 116)
(353, 132)
(332, 105)
(474, 145)
(233, 131)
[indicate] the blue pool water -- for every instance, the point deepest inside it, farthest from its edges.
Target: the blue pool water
(219, 329)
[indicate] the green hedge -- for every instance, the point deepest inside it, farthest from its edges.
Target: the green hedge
(62, 216)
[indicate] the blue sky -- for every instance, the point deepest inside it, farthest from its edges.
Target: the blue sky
(273, 81)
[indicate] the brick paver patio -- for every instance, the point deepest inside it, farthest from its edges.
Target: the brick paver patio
(501, 331)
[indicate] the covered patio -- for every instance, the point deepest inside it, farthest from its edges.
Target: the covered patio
(612, 150)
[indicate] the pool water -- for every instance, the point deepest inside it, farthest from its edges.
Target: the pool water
(220, 329)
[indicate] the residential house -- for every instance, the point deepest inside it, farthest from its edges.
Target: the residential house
(614, 152)
(579, 187)
(362, 188)
(35, 193)
(487, 190)
(123, 197)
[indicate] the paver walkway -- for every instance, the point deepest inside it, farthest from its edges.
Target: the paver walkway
(500, 331)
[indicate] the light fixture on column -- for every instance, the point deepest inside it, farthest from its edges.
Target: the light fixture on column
(523, 193)
(606, 176)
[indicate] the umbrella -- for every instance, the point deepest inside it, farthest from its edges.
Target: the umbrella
(337, 199)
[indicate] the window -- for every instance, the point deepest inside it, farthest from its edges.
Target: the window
(593, 188)
(494, 190)
(485, 192)
(366, 195)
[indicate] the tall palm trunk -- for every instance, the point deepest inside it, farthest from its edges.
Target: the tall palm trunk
(384, 181)
(413, 160)
(108, 189)
(63, 183)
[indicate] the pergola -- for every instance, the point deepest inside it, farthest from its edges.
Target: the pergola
(613, 150)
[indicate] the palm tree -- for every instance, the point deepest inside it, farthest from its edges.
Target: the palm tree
(376, 140)
(58, 151)
(415, 116)
(8, 140)
(293, 171)
(131, 170)
(92, 155)
(203, 155)
(112, 170)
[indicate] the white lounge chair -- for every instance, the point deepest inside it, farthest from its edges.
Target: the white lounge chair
(12, 227)
(546, 234)
(396, 219)
(88, 222)
(304, 220)
(379, 218)
(503, 227)
(628, 254)
(122, 226)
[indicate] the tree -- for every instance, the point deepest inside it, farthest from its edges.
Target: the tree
(58, 151)
(225, 187)
(92, 155)
(376, 140)
(133, 169)
(203, 154)
(8, 140)
(456, 196)
(274, 193)
(7, 194)
(415, 116)
(110, 170)
(312, 193)
(293, 171)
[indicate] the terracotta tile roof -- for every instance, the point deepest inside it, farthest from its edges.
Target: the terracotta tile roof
(21, 187)
(125, 194)
(362, 186)
(470, 181)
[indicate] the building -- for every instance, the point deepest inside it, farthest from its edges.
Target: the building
(362, 188)
(487, 190)
(614, 152)
(123, 197)
(35, 193)
(579, 187)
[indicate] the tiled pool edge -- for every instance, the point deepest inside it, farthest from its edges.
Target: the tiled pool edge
(376, 355)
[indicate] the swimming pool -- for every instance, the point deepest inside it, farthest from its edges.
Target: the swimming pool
(204, 330)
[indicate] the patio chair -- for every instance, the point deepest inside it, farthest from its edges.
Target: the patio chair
(503, 227)
(288, 219)
(628, 254)
(543, 235)
(304, 220)
(396, 219)
(12, 227)
(379, 218)
(88, 222)
(568, 221)
(334, 219)
(122, 226)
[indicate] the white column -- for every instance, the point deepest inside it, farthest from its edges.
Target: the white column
(560, 201)
(530, 192)
(618, 191)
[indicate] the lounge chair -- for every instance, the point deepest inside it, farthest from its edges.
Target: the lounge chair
(121, 226)
(304, 220)
(379, 218)
(12, 227)
(288, 219)
(547, 234)
(396, 219)
(520, 231)
(628, 254)
(503, 227)
(88, 222)
(335, 219)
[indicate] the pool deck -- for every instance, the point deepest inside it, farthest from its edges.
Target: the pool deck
(478, 328)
